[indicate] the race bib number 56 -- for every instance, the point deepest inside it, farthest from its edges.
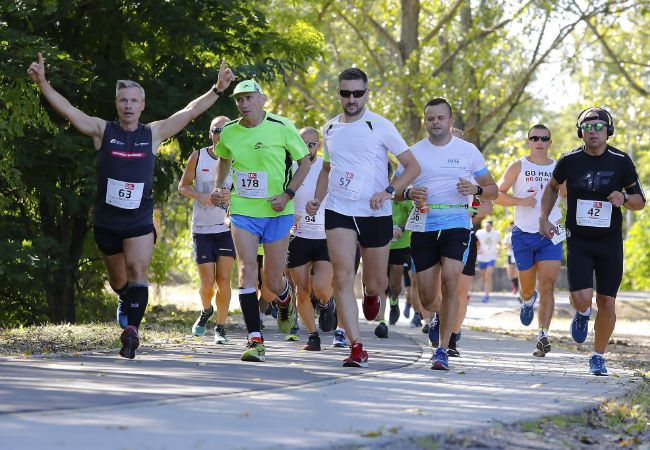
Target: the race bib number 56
(593, 213)
(417, 220)
(123, 194)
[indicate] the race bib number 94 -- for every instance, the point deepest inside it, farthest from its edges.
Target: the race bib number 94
(123, 194)
(252, 184)
(593, 213)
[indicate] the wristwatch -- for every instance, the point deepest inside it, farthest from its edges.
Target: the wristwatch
(391, 191)
(479, 190)
(214, 89)
(626, 197)
(290, 193)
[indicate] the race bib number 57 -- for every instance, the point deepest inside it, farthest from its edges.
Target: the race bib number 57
(592, 213)
(123, 194)
(346, 183)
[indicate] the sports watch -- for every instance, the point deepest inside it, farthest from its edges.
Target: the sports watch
(290, 193)
(391, 191)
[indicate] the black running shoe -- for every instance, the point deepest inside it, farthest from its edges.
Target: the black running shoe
(381, 331)
(327, 316)
(313, 343)
(425, 328)
(452, 350)
(130, 342)
(393, 316)
(543, 347)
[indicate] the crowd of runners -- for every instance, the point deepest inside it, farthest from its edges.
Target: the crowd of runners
(316, 203)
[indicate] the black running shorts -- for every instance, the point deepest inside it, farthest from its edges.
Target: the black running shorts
(208, 247)
(399, 256)
(427, 248)
(470, 264)
(302, 251)
(110, 241)
(602, 257)
(371, 231)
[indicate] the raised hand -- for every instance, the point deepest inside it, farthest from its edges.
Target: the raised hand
(36, 70)
(225, 77)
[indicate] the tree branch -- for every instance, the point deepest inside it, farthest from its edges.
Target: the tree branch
(385, 35)
(366, 44)
(442, 22)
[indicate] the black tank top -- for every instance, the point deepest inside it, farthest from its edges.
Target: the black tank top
(125, 165)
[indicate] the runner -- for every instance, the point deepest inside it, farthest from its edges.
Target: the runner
(260, 147)
(599, 180)
(354, 175)
(537, 257)
(123, 217)
(214, 250)
(489, 241)
(511, 267)
(439, 222)
(308, 252)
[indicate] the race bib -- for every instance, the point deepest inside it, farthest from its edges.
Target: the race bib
(347, 184)
(593, 213)
(417, 220)
(123, 194)
(252, 184)
(310, 224)
(559, 237)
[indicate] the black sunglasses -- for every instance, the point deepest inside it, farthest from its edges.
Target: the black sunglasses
(312, 144)
(216, 130)
(539, 138)
(356, 94)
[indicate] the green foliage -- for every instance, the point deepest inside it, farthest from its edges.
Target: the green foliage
(637, 255)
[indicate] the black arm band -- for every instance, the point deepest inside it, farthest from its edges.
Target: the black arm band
(636, 189)
(406, 194)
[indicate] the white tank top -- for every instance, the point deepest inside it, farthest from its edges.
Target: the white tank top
(305, 226)
(207, 219)
(533, 179)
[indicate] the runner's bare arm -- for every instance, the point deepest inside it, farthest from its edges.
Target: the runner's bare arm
(506, 182)
(221, 195)
(85, 124)
(186, 184)
(549, 197)
(410, 172)
(321, 189)
(490, 191)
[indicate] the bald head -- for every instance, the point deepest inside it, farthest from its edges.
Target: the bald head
(312, 139)
(215, 128)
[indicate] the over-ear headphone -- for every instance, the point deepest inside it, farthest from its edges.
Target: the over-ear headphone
(610, 120)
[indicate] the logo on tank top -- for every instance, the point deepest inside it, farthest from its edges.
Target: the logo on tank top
(116, 142)
(127, 155)
(139, 144)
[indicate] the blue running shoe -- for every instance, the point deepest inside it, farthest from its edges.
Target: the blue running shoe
(597, 366)
(198, 329)
(439, 361)
(407, 311)
(434, 331)
(579, 327)
(416, 321)
(486, 298)
(527, 312)
(122, 319)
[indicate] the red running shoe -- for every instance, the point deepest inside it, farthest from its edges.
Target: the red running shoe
(358, 356)
(370, 306)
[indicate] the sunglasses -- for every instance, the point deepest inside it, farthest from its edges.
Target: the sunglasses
(594, 126)
(312, 144)
(356, 94)
(539, 138)
(216, 130)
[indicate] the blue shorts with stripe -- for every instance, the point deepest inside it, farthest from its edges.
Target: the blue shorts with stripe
(532, 247)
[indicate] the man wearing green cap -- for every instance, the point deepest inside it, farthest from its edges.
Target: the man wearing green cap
(260, 147)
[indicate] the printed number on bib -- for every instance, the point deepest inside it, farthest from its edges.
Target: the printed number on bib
(310, 224)
(417, 220)
(252, 184)
(560, 236)
(123, 194)
(347, 184)
(593, 213)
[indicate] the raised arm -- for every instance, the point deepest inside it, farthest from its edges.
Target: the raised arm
(85, 124)
(164, 129)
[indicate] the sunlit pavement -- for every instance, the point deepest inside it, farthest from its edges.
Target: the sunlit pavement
(198, 395)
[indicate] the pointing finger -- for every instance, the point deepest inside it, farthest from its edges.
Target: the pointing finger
(40, 58)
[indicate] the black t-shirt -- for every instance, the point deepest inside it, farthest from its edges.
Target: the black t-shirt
(591, 179)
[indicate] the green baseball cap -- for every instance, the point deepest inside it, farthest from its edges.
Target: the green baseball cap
(247, 86)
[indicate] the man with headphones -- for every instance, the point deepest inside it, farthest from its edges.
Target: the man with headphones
(599, 180)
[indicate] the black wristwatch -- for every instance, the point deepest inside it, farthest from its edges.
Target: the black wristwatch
(626, 197)
(479, 190)
(290, 193)
(214, 89)
(391, 191)
(406, 194)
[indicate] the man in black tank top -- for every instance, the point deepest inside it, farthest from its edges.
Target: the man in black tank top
(123, 215)
(599, 180)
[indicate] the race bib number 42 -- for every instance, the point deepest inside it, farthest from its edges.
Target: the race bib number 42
(252, 184)
(593, 213)
(123, 194)
(346, 184)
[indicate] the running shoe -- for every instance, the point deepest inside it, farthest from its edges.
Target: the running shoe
(130, 342)
(122, 319)
(358, 356)
(439, 360)
(286, 317)
(579, 327)
(198, 329)
(255, 351)
(220, 335)
(339, 341)
(527, 311)
(542, 347)
(416, 321)
(393, 315)
(486, 298)
(597, 366)
(452, 350)
(425, 328)
(274, 310)
(407, 310)
(293, 335)
(313, 343)
(370, 306)
(381, 330)
(327, 316)
(434, 331)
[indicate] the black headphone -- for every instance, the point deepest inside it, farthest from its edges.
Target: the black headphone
(610, 121)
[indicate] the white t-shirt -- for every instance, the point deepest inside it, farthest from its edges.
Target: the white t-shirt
(358, 154)
(441, 168)
(207, 219)
(532, 179)
(306, 226)
(489, 241)
(507, 241)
